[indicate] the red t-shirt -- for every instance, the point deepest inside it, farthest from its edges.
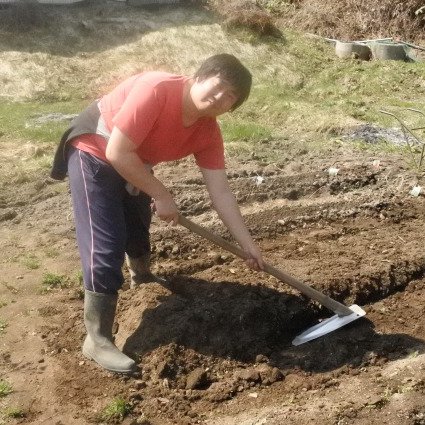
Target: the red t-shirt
(147, 108)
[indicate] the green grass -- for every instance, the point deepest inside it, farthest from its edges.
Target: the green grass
(79, 277)
(51, 281)
(31, 261)
(5, 388)
(3, 325)
(51, 252)
(234, 130)
(13, 412)
(305, 90)
(22, 119)
(117, 409)
(301, 90)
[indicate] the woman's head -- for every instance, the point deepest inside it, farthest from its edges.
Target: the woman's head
(231, 71)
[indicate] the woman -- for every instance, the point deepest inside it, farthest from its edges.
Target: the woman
(109, 152)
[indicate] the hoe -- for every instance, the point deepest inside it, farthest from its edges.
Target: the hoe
(343, 314)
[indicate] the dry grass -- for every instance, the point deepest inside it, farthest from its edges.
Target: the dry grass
(32, 72)
(246, 14)
(359, 19)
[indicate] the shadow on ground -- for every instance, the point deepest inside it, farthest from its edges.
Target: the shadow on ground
(239, 322)
(87, 27)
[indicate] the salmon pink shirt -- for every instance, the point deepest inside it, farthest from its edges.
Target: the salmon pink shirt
(147, 108)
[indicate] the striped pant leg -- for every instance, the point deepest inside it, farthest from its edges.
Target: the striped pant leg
(97, 192)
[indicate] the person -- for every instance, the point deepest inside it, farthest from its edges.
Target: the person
(108, 153)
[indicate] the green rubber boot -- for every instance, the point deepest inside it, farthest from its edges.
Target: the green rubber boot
(140, 271)
(99, 313)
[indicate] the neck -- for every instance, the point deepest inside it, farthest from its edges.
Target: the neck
(190, 112)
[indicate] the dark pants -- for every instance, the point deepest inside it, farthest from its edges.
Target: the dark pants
(109, 221)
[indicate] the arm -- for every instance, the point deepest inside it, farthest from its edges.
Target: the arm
(121, 153)
(227, 208)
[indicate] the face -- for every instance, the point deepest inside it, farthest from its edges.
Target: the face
(213, 96)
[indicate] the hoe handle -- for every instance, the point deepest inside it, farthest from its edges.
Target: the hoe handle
(330, 303)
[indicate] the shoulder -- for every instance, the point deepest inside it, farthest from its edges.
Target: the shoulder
(160, 80)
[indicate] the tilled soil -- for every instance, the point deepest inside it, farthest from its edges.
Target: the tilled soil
(214, 344)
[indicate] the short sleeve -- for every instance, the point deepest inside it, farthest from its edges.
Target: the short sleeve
(212, 155)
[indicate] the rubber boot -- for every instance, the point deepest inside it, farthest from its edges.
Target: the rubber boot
(99, 313)
(140, 271)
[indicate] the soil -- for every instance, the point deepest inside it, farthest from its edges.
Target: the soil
(214, 344)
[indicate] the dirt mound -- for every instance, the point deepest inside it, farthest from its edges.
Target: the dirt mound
(218, 336)
(214, 344)
(352, 19)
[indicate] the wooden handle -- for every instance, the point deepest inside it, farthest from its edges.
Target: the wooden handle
(323, 299)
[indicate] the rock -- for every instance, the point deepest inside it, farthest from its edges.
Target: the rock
(261, 358)
(139, 384)
(250, 375)
(196, 379)
(276, 375)
(129, 421)
(221, 391)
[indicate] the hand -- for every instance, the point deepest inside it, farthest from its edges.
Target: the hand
(255, 258)
(166, 209)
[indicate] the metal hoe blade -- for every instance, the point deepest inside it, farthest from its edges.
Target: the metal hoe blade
(329, 325)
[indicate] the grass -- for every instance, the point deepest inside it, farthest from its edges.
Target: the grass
(3, 325)
(13, 412)
(79, 277)
(52, 281)
(51, 252)
(31, 261)
(239, 130)
(22, 119)
(5, 388)
(117, 409)
(301, 89)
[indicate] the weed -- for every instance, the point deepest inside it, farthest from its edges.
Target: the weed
(31, 261)
(13, 412)
(3, 325)
(117, 409)
(5, 388)
(51, 281)
(79, 277)
(51, 252)
(79, 293)
(3, 303)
